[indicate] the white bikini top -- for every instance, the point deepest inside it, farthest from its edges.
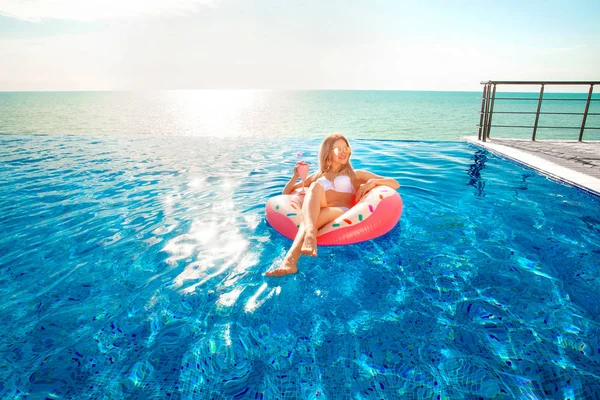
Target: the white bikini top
(341, 183)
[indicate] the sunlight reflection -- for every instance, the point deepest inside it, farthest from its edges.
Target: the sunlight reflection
(241, 269)
(183, 246)
(227, 335)
(218, 258)
(228, 299)
(254, 302)
(168, 201)
(196, 183)
(217, 246)
(212, 112)
(252, 220)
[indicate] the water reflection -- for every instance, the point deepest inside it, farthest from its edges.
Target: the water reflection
(480, 158)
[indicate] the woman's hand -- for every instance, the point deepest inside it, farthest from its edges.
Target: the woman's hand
(365, 188)
(289, 188)
(296, 173)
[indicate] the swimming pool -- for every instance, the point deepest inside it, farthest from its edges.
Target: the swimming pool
(133, 268)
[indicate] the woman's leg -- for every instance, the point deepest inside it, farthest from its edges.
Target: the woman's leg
(314, 201)
(290, 262)
(324, 215)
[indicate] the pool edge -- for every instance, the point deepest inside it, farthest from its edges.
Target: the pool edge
(580, 180)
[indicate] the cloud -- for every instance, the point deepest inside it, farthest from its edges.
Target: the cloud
(559, 50)
(94, 10)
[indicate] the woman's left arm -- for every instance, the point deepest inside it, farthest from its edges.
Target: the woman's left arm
(371, 180)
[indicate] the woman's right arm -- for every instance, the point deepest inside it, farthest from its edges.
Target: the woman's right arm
(292, 185)
(289, 188)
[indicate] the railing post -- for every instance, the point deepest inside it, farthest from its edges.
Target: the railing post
(482, 109)
(585, 112)
(489, 126)
(486, 112)
(537, 114)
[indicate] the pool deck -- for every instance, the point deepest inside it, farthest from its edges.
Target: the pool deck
(577, 163)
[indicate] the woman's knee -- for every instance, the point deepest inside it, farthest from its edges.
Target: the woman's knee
(316, 188)
(316, 194)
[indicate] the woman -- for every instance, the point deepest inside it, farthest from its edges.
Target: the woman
(331, 192)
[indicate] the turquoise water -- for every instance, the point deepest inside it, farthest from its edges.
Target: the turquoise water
(398, 115)
(132, 267)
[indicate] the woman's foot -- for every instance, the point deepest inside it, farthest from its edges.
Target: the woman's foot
(309, 246)
(288, 266)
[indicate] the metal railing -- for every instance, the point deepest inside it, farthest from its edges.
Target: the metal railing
(489, 97)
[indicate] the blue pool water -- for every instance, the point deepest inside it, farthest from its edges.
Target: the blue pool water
(133, 268)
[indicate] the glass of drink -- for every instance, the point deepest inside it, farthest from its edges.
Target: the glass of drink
(303, 172)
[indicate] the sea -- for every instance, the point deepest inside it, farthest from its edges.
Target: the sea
(387, 115)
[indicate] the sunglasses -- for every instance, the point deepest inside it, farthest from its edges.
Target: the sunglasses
(339, 150)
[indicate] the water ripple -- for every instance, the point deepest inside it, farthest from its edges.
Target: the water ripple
(134, 268)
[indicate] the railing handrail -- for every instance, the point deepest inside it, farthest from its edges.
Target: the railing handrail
(489, 97)
(545, 98)
(541, 82)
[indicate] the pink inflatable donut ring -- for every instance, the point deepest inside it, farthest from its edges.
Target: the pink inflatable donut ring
(375, 214)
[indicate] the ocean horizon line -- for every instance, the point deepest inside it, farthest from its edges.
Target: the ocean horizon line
(278, 90)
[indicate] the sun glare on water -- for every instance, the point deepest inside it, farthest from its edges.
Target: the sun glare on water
(219, 113)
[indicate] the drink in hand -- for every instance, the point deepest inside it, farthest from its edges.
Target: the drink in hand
(303, 172)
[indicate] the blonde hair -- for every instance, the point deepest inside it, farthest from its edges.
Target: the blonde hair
(325, 156)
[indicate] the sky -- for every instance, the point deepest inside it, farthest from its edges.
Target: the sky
(302, 44)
